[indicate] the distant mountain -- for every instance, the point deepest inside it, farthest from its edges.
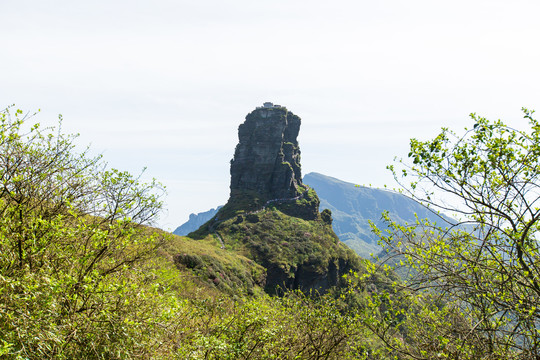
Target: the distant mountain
(352, 207)
(195, 221)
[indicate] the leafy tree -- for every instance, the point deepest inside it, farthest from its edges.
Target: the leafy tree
(474, 286)
(294, 326)
(71, 244)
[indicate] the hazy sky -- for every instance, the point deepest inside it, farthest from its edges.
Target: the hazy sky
(165, 84)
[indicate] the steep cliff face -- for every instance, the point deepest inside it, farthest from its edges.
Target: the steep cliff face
(271, 217)
(265, 169)
(266, 163)
(267, 157)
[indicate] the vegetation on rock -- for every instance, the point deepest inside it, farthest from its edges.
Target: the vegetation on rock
(297, 253)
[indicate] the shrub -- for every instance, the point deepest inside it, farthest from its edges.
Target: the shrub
(72, 245)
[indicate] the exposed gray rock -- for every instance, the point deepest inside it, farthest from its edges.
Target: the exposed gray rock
(267, 157)
(266, 169)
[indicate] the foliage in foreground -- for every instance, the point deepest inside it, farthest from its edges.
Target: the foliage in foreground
(476, 285)
(291, 327)
(82, 277)
(71, 241)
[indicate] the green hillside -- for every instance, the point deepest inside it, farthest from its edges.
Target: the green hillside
(84, 275)
(353, 207)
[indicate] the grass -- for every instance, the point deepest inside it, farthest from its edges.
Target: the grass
(227, 271)
(288, 245)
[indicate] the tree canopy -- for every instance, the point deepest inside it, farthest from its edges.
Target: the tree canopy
(70, 229)
(476, 283)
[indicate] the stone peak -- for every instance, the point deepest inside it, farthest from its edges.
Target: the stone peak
(266, 163)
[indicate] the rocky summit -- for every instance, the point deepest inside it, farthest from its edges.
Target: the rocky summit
(271, 217)
(267, 157)
(266, 164)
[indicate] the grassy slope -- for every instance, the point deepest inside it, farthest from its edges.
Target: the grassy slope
(228, 272)
(353, 207)
(285, 244)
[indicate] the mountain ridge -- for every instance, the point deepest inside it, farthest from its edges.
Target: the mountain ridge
(271, 217)
(353, 207)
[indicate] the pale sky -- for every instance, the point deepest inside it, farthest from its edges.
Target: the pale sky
(165, 84)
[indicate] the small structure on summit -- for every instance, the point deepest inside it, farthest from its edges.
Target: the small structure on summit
(269, 105)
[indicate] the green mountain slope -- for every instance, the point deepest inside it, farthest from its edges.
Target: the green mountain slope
(298, 252)
(354, 206)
